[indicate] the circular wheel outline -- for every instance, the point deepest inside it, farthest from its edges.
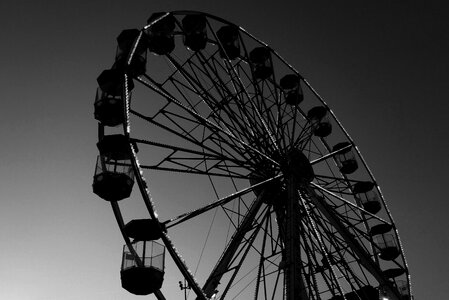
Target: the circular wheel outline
(146, 194)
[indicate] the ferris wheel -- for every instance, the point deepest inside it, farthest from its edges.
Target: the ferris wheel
(261, 193)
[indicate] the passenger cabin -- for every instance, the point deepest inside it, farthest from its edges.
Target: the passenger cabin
(144, 229)
(111, 82)
(228, 37)
(108, 109)
(161, 39)
(195, 32)
(291, 88)
(113, 179)
(109, 102)
(380, 229)
(125, 45)
(367, 196)
(142, 270)
(365, 293)
(319, 120)
(345, 158)
(393, 272)
(384, 241)
(114, 146)
(386, 246)
(260, 59)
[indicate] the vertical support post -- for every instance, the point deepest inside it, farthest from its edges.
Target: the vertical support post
(295, 287)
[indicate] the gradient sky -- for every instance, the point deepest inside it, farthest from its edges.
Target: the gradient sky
(382, 66)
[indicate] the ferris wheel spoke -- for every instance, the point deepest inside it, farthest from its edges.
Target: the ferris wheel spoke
(257, 115)
(341, 256)
(261, 270)
(187, 216)
(242, 93)
(359, 251)
(274, 238)
(308, 264)
(209, 68)
(355, 225)
(290, 128)
(294, 126)
(342, 264)
(347, 202)
(305, 135)
(184, 159)
(215, 129)
(262, 98)
(234, 109)
(188, 137)
(341, 186)
(242, 253)
(331, 154)
(324, 249)
(194, 141)
(284, 119)
(198, 89)
(317, 242)
(228, 148)
(309, 147)
(189, 110)
(185, 151)
(205, 94)
(281, 134)
(335, 243)
(233, 246)
(191, 171)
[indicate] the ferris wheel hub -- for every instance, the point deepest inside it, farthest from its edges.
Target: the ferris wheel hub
(298, 165)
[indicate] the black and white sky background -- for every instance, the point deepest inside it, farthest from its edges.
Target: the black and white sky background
(382, 66)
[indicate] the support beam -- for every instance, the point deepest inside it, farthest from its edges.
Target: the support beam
(363, 256)
(225, 260)
(294, 282)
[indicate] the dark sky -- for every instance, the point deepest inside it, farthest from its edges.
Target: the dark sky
(382, 67)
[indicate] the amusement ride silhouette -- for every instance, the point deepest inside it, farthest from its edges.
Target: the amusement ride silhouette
(292, 209)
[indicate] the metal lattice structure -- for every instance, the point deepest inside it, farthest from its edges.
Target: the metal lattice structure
(291, 207)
